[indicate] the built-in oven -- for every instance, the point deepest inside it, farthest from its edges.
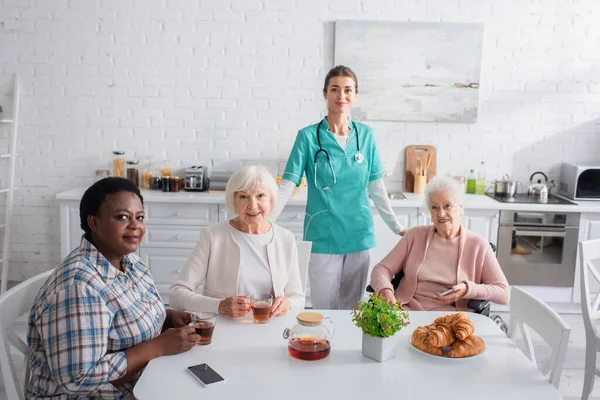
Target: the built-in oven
(538, 248)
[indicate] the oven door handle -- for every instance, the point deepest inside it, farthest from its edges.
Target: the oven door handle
(553, 233)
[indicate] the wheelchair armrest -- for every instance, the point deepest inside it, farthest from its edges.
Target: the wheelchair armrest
(395, 282)
(480, 307)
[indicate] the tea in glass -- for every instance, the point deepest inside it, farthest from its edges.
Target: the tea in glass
(204, 324)
(261, 307)
(309, 348)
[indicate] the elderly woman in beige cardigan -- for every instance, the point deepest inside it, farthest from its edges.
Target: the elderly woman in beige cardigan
(242, 256)
(439, 258)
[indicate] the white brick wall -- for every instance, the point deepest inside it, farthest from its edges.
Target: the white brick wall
(215, 80)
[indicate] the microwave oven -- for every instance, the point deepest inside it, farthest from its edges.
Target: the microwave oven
(579, 182)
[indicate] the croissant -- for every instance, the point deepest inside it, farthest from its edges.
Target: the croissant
(464, 348)
(441, 335)
(419, 340)
(460, 323)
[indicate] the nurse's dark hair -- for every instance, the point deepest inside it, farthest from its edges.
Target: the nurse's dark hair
(94, 197)
(340, 70)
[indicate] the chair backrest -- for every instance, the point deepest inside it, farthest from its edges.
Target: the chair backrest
(589, 251)
(13, 304)
(303, 259)
(527, 310)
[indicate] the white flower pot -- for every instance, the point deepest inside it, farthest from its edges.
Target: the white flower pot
(378, 348)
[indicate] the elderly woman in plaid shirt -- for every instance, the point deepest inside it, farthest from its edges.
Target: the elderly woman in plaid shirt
(98, 319)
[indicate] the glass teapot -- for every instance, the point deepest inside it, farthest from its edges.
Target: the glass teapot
(310, 339)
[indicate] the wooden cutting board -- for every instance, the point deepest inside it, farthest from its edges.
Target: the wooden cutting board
(412, 155)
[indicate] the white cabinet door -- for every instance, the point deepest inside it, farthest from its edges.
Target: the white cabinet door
(482, 222)
(165, 265)
(589, 229)
(423, 217)
(70, 227)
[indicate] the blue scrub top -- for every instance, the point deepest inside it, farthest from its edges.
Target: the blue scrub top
(338, 220)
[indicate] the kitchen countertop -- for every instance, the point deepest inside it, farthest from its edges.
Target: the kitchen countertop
(471, 201)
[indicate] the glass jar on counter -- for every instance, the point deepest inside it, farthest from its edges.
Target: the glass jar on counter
(155, 180)
(177, 184)
(166, 183)
(133, 174)
(102, 173)
(118, 163)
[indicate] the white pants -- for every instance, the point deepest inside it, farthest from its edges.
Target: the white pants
(338, 281)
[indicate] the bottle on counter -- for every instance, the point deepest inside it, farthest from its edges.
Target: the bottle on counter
(471, 182)
(480, 184)
(133, 174)
(118, 164)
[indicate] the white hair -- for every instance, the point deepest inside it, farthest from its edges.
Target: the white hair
(447, 185)
(248, 178)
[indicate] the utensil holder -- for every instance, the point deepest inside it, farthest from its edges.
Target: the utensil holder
(420, 183)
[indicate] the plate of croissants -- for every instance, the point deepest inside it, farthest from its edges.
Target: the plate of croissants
(450, 336)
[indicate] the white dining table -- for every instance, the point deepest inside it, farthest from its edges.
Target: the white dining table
(255, 363)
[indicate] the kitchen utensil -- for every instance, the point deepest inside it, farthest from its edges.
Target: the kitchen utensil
(506, 187)
(539, 189)
(412, 154)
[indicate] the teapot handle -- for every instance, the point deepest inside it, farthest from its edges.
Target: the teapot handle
(330, 322)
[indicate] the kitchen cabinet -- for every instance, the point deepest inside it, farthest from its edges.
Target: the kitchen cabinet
(482, 222)
(589, 229)
(70, 227)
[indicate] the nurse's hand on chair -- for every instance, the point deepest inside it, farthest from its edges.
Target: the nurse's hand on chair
(281, 306)
(235, 306)
(388, 295)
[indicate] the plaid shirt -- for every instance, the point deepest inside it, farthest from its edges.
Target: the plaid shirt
(84, 317)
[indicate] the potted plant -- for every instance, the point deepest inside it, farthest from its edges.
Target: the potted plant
(379, 322)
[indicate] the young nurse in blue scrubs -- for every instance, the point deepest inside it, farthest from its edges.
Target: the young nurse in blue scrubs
(342, 165)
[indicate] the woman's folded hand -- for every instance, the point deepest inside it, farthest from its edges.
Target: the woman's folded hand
(281, 306)
(235, 306)
(388, 294)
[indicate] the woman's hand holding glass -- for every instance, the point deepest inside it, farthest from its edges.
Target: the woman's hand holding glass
(281, 306)
(178, 318)
(175, 341)
(235, 306)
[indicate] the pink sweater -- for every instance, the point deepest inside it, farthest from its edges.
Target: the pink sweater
(478, 267)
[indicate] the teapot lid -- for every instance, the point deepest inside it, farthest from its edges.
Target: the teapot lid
(310, 318)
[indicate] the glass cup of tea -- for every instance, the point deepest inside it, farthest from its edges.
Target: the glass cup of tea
(261, 307)
(204, 323)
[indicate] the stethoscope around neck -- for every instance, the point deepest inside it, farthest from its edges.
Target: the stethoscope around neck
(358, 157)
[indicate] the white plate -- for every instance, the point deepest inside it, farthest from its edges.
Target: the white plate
(445, 350)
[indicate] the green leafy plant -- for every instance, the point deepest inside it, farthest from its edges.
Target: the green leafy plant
(377, 317)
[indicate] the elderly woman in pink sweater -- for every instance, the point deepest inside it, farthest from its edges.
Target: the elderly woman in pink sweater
(442, 257)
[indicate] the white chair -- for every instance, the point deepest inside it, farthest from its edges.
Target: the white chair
(589, 251)
(303, 259)
(13, 304)
(526, 310)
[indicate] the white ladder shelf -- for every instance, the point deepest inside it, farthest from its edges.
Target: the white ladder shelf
(8, 190)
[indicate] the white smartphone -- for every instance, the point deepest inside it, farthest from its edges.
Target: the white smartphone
(205, 374)
(447, 292)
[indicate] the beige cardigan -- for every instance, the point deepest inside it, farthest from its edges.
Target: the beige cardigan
(215, 261)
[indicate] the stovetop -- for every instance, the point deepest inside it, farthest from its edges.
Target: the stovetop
(524, 198)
